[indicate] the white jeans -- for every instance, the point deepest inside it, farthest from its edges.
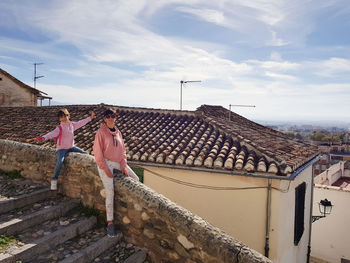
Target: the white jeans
(109, 185)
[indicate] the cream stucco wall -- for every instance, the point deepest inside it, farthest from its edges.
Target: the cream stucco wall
(11, 94)
(286, 250)
(331, 235)
(241, 213)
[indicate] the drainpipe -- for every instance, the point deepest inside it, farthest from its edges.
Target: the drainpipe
(268, 218)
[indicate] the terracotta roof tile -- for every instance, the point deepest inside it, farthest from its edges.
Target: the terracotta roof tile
(202, 138)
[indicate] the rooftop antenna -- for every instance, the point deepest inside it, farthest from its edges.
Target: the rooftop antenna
(35, 76)
(238, 105)
(181, 84)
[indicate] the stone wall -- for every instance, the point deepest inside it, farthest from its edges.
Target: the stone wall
(147, 219)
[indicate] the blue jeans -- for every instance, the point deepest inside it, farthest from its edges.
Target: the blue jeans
(61, 154)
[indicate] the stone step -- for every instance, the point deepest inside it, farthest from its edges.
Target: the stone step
(33, 208)
(138, 257)
(15, 225)
(47, 228)
(119, 253)
(10, 187)
(50, 241)
(72, 246)
(92, 251)
(26, 199)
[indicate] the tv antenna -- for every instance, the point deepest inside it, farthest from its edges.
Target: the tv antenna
(238, 105)
(181, 84)
(35, 76)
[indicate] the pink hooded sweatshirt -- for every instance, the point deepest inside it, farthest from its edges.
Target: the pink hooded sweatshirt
(67, 138)
(109, 145)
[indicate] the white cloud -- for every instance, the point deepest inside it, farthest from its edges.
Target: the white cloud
(276, 41)
(112, 40)
(275, 56)
(332, 67)
(209, 15)
(276, 65)
(280, 76)
(27, 48)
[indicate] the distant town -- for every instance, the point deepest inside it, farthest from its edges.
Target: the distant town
(320, 133)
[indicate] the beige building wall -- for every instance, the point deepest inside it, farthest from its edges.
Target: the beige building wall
(11, 94)
(284, 213)
(241, 213)
(331, 235)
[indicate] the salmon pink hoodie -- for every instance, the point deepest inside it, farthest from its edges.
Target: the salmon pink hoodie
(67, 138)
(109, 145)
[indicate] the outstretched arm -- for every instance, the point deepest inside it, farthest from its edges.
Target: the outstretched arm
(81, 123)
(50, 135)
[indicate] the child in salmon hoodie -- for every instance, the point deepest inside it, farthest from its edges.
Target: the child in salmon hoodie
(64, 133)
(109, 152)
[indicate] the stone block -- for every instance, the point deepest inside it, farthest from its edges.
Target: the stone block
(123, 204)
(148, 233)
(173, 255)
(185, 242)
(126, 220)
(145, 216)
(167, 244)
(88, 188)
(137, 207)
(181, 250)
(134, 214)
(134, 231)
(100, 207)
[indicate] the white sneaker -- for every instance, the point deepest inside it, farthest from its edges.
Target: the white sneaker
(53, 185)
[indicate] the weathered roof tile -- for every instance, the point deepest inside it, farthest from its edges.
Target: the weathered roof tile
(202, 138)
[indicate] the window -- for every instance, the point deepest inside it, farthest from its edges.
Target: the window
(299, 212)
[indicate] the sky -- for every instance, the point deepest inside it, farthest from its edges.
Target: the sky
(290, 59)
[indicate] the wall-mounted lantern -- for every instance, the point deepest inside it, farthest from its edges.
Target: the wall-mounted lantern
(325, 207)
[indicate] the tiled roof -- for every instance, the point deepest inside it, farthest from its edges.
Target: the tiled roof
(343, 182)
(20, 83)
(202, 138)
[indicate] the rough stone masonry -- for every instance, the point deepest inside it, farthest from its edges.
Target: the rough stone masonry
(169, 232)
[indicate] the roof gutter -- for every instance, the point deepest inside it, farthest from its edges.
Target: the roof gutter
(207, 170)
(306, 165)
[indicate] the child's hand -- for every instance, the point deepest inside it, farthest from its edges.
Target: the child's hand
(39, 138)
(124, 171)
(92, 115)
(109, 173)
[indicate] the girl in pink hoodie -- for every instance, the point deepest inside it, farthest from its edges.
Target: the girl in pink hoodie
(109, 151)
(64, 133)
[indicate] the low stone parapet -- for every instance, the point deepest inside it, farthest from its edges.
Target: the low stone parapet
(147, 219)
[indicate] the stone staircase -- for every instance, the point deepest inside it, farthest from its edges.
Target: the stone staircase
(43, 226)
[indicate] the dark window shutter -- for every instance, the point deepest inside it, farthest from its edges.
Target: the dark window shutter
(299, 212)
